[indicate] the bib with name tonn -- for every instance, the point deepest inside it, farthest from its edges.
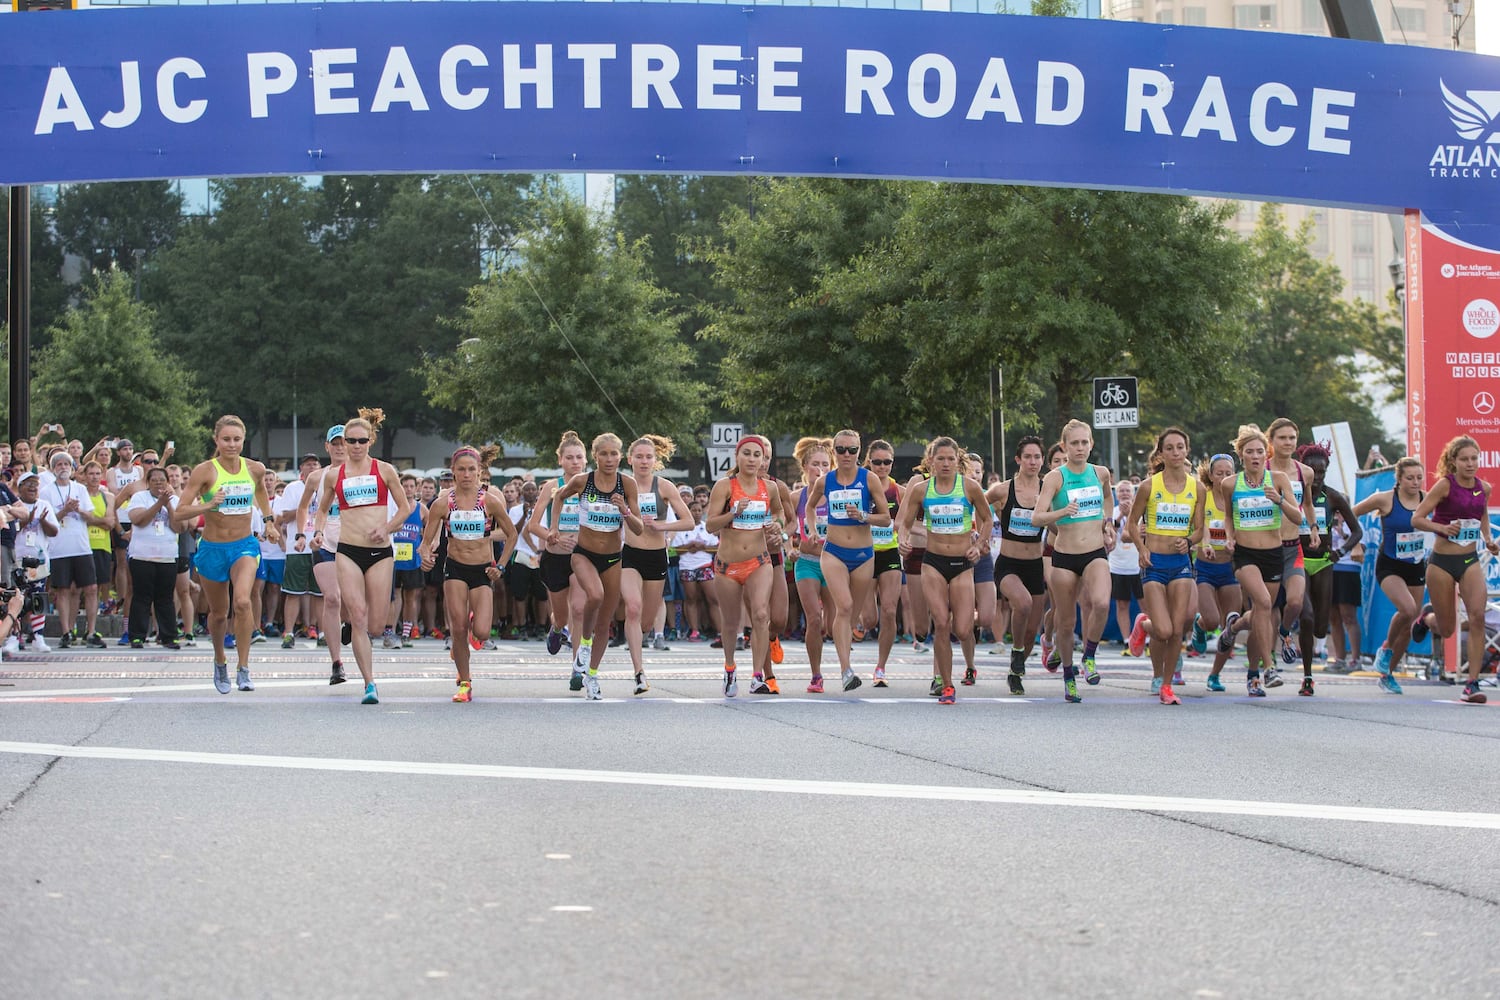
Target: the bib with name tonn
(238, 489)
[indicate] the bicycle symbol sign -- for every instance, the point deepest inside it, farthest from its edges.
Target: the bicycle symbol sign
(1115, 402)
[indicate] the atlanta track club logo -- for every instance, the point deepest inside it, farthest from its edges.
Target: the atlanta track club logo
(1476, 115)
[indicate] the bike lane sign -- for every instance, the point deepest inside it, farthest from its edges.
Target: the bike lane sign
(1116, 403)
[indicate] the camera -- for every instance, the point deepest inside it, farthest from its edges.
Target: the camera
(35, 591)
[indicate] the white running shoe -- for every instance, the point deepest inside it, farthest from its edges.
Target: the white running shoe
(12, 645)
(591, 687)
(39, 644)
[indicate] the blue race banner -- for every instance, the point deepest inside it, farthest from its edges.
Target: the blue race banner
(485, 87)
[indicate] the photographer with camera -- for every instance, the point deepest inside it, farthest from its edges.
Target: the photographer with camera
(34, 530)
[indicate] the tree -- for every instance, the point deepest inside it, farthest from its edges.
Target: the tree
(245, 299)
(406, 251)
(573, 334)
(80, 378)
(1300, 341)
(796, 359)
(106, 224)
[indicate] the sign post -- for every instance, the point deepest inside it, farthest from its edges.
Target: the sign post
(721, 442)
(1116, 405)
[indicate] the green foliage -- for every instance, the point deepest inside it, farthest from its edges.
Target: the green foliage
(572, 286)
(106, 224)
(105, 374)
(803, 349)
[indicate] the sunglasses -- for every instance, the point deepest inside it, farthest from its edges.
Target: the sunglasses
(149, 461)
(356, 440)
(882, 461)
(846, 449)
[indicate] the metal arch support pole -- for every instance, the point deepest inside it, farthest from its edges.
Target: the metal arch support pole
(18, 312)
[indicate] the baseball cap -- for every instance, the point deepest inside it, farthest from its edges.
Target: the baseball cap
(309, 457)
(446, 474)
(125, 443)
(336, 431)
(25, 476)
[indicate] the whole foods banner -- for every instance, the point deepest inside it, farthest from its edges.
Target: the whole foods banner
(473, 87)
(1453, 345)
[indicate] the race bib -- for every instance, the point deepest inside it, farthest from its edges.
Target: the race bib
(567, 523)
(361, 491)
(403, 552)
(464, 525)
(946, 518)
(238, 498)
(883, 537)
(1020, 523)
(1174, 517)
(1216, 537)
(757, 514)
(1411, 546)
(1090, 503)
(648, 505)
(845, 501)
(1468, 531)
(601, 515)
(1255, 512)
(820, 522)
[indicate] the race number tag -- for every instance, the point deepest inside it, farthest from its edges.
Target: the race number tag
(238, 498)
(1468, 531)
(1411, 546)
(845, 502)
(1020, 523)
(361, 491)
(1090, 503)
(464, 525)
(947, 518)
(1255, 512)
(1174, 517)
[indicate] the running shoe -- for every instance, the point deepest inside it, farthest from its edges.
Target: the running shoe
(255, 637)
(229, 640)
(695, 636)
(1290, 652)
(1273, 678)
(555, 639)
(880, 677)
(1383, 660)
(346, 633)
(641, 684)
(591, 686)
(137, 643)
(1156, 685)
(322, 643)
(1215, 684)
(465, 692)
(39, 644)
(437, 633)
(858, 633)
(96, 640)
(851, 680)
(1472, 694)
(758, 685)
(168, 644)
(65, 641)
(221, 677)
(1137, 641)
(717, 643)
(1419, 628)
(918, 646)
(124, 638)
(1200, 637)
(947, 697)
(388, 639)
(1047, 652)
(1090, 671)
(1168, 696)
(777, 653)
(242, 679)
(372, 697)
(1335, 667)
(815, 686)
(774, 685)
(336, 676)
(475, 643)
(1226, 637)
(731, 684)
(1253, 688)
(406, 642)
(288, 642)
(1388, 684)
(575, 682)
(937, 686)
(1306, 690)
(970, 676)
(1070, 690)
(659, 643)
(1014, 680)
(186, 638)
(1177, 672)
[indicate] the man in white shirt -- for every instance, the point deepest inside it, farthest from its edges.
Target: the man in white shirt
(304, 601)
(33, 535)
(72, 555)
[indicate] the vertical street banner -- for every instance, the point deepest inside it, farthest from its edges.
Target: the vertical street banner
(1453, 346)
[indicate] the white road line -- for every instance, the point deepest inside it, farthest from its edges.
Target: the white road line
(786, 786)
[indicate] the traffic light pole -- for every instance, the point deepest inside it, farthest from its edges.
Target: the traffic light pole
(18, 312)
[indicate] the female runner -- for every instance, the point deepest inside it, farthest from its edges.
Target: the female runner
(607, 503)
(815, 456)
(1319, 556)
(848, 560)
(1051, 659)
(880, 457)
(557, 555)
(1019, 569)
(470, 511)
(742, 505)
(1282, 435)
(958, 529)
(1073, 498)
(1401, 564)
(319, 510)
(1168, 510)
(224, 489)
(1260, 502)
(1219, 594)
(643, 566)
(362, 487)
(1456, 510)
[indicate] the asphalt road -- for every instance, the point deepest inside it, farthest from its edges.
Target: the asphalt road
(158, 839)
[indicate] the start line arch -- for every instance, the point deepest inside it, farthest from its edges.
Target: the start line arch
(704, 89)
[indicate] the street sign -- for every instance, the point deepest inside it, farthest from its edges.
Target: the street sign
(721, 441)
(1116, 403)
